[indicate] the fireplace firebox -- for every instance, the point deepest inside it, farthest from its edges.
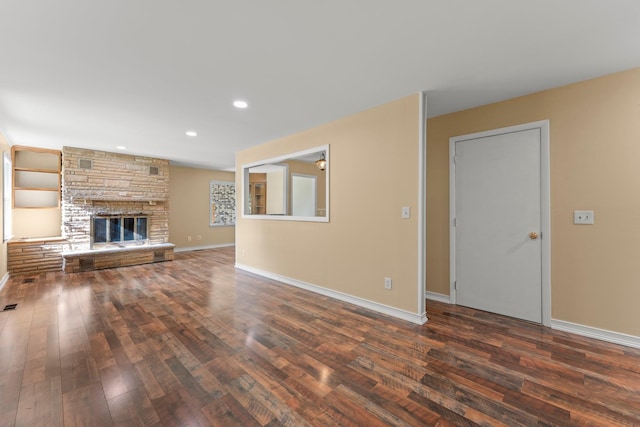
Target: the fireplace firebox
(119, 230)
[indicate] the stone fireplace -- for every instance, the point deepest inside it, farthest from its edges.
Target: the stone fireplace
(113, 204)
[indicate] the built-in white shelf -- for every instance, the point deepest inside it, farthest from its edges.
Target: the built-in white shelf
(36, 177)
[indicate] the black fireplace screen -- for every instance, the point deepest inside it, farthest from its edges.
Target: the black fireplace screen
(118, 229)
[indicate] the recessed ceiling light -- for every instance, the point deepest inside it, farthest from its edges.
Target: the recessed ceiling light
(121, 147)
(191, 133)
(240, 104)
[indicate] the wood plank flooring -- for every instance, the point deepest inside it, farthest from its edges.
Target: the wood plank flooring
(194, 342)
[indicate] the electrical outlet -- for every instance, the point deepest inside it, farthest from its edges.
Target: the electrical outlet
(387, 283)
(188, 238)
(583, 217)
(199, 237)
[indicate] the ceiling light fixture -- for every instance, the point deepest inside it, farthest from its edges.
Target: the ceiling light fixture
(240, 104)
(191, 133)
(321, 163)
(121, 147)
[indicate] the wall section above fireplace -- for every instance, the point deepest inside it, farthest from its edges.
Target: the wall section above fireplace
(99, 175)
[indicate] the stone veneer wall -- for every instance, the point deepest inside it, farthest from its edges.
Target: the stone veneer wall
(30, 256)
(115, 184)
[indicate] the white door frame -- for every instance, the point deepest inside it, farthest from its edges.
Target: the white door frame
(545, 208)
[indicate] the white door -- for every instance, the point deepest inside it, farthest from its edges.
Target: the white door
(498, 258)
(303, 195)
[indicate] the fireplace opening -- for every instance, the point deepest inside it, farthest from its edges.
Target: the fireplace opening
(118, 230)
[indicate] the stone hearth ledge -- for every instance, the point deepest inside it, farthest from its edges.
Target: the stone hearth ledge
(111, 249)
(113, 257)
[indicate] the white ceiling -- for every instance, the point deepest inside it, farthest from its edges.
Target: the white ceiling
(139, 73)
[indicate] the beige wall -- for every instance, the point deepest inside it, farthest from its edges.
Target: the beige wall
(366, 239)
(595, 153)
(4, 148)
(189, 208)
(275, 197)
(45, 222)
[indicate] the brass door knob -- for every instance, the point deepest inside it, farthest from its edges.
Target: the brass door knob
(533, 235)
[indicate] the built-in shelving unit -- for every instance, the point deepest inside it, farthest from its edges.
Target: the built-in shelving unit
(258, 191)
(36, 177)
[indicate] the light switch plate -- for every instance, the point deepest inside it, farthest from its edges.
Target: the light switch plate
(406, 212)
(583, 217)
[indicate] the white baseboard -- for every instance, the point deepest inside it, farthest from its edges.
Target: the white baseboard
(4, 280)
(600, 334)
(419, 319)
(199, 248)
(435, 296)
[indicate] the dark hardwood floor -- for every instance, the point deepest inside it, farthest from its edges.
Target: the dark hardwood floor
(195, 342)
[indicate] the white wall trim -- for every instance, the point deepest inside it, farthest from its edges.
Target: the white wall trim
(545, 208)
(4, 280)
(545, 217)
(452, 224)
(435, 296)
(198, 248)
(360, 302)
(422, 206)
(599, 334)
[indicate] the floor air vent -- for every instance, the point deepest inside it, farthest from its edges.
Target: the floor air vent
(29, 280)
(9, 307)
